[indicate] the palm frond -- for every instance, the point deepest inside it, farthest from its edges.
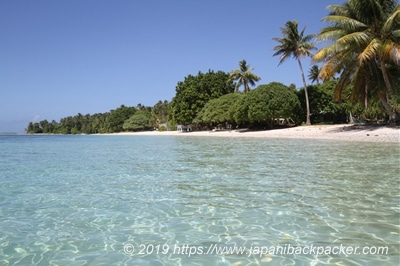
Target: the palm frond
(244, 76)
(394, 50)
(392, 21)
(347, 23)
(370, 52)
(327, 52)
(329, 34)
(355, 39)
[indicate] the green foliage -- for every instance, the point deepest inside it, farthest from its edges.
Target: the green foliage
(313, 74)
(159, 114)
(218, 110)
(271, 101)
(194, 92)
(74, 125)
(121, 119)
(323, 106)
(117, 118)
(368, 109)
(34, 128)
(138, 121)
(293, 43)
(395, 100)
(297, 45)
(244, 76)
(162, 128)
(240, 109)
(364, 45)
(43, 126)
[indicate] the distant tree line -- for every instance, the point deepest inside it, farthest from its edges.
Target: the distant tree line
(208, 100)
(123, 118)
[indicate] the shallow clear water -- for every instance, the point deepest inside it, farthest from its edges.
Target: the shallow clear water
(88, 200)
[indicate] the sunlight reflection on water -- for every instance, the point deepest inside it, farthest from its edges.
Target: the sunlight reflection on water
(75, 200)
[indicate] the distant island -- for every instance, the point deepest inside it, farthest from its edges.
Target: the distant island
(8, 133)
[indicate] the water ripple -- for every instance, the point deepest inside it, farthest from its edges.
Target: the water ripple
(76, 200)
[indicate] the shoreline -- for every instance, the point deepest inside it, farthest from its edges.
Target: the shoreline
(341, 132)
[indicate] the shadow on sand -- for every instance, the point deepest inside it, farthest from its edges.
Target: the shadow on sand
(363, 127)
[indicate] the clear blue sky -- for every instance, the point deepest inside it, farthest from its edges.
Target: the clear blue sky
(59, 58)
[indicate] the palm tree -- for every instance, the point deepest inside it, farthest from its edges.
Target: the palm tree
(366, 42)
(244, 76)
(296, 44)
(313, 74)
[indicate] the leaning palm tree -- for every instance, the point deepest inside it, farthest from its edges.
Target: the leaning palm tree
(295, 44)
(244, 76)
(365, 42)
(313, 74)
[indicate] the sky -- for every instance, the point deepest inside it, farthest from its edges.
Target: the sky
(60, 58)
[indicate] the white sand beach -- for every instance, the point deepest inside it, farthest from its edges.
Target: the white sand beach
(329, 132)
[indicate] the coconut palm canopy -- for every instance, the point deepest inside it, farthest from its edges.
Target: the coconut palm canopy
(365, 45)
(244, 76)
(293, 43)
(313, 74)
(298, 45)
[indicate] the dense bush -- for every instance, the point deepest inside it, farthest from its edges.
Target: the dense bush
(271, 101)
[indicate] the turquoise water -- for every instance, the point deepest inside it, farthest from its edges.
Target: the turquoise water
(141, 200)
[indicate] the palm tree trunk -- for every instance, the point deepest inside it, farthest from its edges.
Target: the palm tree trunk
(351, 119)
(308, 122)
(392, 114)
(246, 87)
(386, 79)
(385, 101)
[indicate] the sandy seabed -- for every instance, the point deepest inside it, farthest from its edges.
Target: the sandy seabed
(344, 132)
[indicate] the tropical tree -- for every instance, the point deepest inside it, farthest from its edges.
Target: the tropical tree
(313, 74)
(244, 76)
(298, 45)
(239, 110)
(195, 91)
(270, 101)
(218, 111)
(365, 46)
(159, 113)
(325, 108)
(117, 117)
(138, 121)
(34, 128)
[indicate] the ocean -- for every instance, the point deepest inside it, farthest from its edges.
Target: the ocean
(183, 200)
